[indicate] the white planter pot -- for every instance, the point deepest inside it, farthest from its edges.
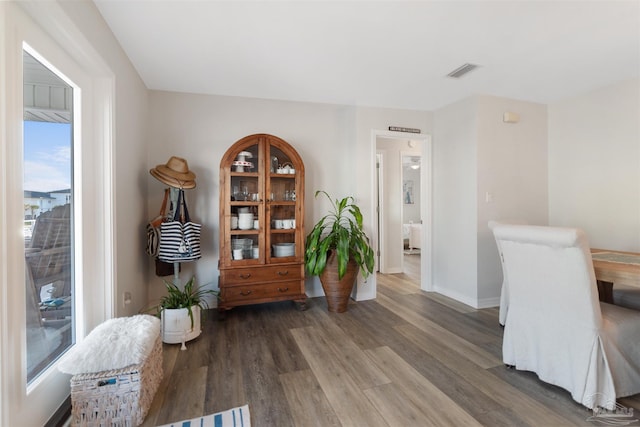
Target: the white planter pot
(176, 325)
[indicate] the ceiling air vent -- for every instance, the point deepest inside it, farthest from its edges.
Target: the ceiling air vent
(462, 70)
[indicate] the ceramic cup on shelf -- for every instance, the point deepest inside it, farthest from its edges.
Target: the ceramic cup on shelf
(237, 254)
(286, 224)
(256, 224)
(277, 223)
(256, 252)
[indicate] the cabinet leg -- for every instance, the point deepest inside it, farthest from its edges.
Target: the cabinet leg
(301, 305)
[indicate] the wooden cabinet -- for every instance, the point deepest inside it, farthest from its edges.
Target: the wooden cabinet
(261, 223)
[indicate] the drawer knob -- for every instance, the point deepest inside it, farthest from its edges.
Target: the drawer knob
(283, 273)
(245, 276)
(244, 294)
(283, 290)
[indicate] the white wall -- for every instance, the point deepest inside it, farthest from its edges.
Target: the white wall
(455, 201)
(201, 128)
(512, 167)
(128, 157)
(475, 153)
(594, 165)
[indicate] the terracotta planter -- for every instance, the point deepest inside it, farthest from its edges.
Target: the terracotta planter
(338, 291)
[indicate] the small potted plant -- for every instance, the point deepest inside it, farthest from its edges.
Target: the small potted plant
(336, 249)
(180, 311)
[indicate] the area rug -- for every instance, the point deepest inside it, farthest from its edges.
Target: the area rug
(236, 417)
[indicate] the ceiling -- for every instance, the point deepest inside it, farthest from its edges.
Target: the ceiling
(391, 54)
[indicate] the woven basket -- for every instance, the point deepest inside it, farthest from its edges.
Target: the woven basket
(338, 291)
(121, 397)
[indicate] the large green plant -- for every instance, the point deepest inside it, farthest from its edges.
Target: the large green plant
(185, 298)
(340, 231)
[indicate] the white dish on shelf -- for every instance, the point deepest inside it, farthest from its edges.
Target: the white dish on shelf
(283, 249)
(245, 225)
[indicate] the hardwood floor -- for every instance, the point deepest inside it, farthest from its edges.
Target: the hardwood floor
(408, 358)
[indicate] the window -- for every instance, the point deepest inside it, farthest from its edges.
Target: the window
(48, 219)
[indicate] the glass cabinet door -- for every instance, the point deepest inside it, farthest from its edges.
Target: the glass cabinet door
(282, 189)
(246, 203)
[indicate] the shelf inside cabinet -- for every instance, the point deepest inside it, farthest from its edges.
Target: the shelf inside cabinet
(283, 175)
(241, 203)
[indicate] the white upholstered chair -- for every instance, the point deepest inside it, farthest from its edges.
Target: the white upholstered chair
(504, 292)
(556, 325)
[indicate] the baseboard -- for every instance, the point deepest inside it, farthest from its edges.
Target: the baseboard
(489, 302)
(471, 302)
(62, 417)
(475, 303)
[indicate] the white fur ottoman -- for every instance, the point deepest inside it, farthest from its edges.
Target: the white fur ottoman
(116, 371)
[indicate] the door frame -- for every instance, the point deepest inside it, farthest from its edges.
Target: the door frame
(379, 210)
(426, 197)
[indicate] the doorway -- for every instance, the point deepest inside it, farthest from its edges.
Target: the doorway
(412, 215)
(403, 205)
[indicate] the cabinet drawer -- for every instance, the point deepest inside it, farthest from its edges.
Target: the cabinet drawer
(260, 292)
(242, 276)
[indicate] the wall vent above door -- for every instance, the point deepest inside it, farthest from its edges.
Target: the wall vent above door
(462, 70)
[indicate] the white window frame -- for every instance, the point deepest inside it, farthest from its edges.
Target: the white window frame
(45, 28)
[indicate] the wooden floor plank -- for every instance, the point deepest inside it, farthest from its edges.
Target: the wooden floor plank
(169, 353)
(185, 395)
(308, 403)
(451, 303)
(225, 384)
(463, 326)
(415, 388)
(507, 396)
(342, 392)
(471, 351)
(398, 283)
(263, 390)
(397, 409)
(553, 398)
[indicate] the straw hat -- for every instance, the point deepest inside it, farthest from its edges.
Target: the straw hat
(175, 173)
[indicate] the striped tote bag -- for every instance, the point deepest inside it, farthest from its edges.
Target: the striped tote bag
(180, 238)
